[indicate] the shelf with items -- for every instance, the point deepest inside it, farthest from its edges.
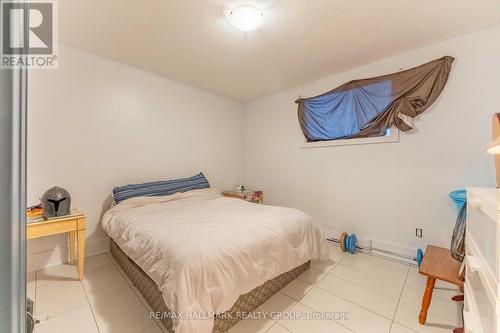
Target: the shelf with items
(248, 195)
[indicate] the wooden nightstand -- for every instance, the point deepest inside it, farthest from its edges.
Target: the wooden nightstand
(251, 196)
(73, 224)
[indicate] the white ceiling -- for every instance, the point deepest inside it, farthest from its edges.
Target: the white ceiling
(301, 40)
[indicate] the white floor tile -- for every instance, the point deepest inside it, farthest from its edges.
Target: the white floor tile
(391, 288)
(121, 312)
(141, 298)
(31, 293)
(447, 309)
(124, 275)
(335, 253)
(252, 326)
(103, 282)
(417, 280)
(387, 269)
(97, 262)
(312, 276)
(365, 287)
(79, 320)
(360, 320)
(56, 273)
(278, 303)
(371, 300)
(30, 281)
(442, 289)
(397, 328)
(407, 315)
(110, 256)
(56, 298)
(300, 321)
(296, 289)
(277, 328)
(152, 329)
(323, 266)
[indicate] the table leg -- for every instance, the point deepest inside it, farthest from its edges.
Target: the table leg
(426, 300)
(72, 244)
(81, 253)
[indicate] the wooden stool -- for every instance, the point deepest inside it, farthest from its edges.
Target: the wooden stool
(438, 264)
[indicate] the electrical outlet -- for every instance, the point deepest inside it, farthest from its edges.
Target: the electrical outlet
(418, 232)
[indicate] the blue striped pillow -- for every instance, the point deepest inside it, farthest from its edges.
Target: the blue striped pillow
(159, 188)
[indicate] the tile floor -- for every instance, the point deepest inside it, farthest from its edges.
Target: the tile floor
(380, 296)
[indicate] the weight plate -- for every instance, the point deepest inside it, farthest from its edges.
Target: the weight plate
(420, 256)
(343, 237)
(351, 243)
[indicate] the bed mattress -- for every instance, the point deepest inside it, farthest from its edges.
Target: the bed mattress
(204, 251)
(244, 305)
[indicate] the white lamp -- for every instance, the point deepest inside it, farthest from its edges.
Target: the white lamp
(494, 147)
(246, 18)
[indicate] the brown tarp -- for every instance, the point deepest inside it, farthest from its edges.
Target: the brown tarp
(410, 93)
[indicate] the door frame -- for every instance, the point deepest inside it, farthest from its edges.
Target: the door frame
(13, 117)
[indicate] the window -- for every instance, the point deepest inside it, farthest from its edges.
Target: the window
(330, 118)
(369, 110)
(391, 135)
(346, 112)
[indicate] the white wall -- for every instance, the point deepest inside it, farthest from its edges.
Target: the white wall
(95, 124)
(384, 191)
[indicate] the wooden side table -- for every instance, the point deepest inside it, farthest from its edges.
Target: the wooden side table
(438, 264)
(251, 196)
(73, 224)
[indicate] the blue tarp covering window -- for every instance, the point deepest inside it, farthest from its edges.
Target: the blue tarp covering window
(369, 107)
(344, 113)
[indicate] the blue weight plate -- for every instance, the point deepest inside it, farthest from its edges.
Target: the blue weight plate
(420, 256)
(351, 243)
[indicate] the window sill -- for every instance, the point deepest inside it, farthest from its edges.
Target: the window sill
(394, 137)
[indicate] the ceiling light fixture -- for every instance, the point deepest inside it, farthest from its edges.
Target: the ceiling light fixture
(246, 18)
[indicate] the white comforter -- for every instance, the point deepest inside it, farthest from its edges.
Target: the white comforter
(203, 251)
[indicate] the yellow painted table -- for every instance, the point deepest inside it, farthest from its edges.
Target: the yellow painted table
(74, 225)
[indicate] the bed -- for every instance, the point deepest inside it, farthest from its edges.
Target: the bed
(200, 260)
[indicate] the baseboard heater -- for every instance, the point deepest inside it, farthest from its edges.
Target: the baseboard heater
(370, 249)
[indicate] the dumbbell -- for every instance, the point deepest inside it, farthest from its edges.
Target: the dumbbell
(348, 242)
(420, 256)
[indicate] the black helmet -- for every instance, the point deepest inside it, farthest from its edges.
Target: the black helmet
(56, 202)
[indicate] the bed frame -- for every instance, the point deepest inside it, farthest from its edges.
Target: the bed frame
(246, 303)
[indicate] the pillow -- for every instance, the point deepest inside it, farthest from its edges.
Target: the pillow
(160, 188)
